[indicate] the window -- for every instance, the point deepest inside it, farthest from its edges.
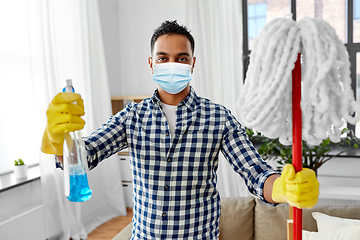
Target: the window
(344, 16)
(356, 22)
(356, 9)
(259, 12)
(17, 132)
(334, 13)
(256, 19)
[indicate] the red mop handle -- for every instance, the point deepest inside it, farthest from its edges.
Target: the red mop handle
(297, 139)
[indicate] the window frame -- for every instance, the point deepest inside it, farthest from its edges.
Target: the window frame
(352, 48)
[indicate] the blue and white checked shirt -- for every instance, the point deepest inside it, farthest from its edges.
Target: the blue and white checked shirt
(174, 180)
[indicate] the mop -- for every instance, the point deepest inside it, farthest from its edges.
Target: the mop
(277, 102)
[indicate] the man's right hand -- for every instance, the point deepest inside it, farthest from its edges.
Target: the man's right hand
(63, 116)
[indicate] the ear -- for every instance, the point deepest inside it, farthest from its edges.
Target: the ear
(193, 64)
(151, 64)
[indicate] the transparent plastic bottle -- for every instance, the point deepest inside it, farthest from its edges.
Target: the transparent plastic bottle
(75, 163)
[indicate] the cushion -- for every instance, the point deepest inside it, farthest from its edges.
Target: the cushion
(330, 223)
(237, 218)
(341, 234)
(270, 221)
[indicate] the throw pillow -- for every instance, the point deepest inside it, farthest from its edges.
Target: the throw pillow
(330, 223)
(342, 234)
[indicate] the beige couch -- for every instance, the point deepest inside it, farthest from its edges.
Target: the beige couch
(250, 219)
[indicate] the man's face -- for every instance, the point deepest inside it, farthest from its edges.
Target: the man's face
(172, 48)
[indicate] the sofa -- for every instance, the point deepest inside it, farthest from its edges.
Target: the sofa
(248, 218)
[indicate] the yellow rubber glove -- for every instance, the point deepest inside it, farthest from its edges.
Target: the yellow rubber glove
(299, 189)
(63, 116)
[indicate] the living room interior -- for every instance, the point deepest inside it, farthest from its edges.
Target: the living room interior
(104, 46)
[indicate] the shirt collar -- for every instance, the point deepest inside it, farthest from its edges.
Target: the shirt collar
(190, 101)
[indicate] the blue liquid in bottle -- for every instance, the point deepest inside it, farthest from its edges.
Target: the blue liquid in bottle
(79, 186)
(75, 163)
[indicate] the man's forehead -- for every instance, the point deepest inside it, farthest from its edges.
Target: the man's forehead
(172, 44)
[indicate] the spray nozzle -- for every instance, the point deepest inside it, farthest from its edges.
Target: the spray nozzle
(69, 87)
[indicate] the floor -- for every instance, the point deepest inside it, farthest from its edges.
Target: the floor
(108, 230)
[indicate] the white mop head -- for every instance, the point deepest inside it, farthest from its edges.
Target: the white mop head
(327, 97)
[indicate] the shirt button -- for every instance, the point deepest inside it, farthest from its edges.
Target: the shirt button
(166, 187)
(169, 160)
(167, 134)
(164, 215)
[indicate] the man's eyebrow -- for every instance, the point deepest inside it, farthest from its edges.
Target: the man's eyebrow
(161, 53)
(179, 54)
(183, 53)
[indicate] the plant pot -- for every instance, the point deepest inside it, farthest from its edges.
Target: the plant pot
(20, 171)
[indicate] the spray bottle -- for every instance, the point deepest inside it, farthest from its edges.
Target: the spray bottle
(75, 163)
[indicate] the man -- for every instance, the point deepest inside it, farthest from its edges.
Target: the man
(174, 139)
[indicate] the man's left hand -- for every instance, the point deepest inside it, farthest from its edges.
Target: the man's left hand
(299, 189)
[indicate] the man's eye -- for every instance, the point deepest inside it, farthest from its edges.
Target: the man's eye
(161, 59)
(183, 59)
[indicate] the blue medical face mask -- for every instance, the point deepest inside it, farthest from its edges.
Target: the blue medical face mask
(172, 77)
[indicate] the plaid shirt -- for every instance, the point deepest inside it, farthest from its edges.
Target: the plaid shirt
(174, 180)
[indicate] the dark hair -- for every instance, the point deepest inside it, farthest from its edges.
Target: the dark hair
(171, 27)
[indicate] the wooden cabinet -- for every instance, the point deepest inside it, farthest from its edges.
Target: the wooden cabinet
(119, 102)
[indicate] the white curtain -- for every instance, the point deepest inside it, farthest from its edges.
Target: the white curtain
(66, 43)
(218, 75)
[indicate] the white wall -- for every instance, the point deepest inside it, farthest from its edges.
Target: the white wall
(128, 27)
(341, 167)
(109, 17)
(20, 199)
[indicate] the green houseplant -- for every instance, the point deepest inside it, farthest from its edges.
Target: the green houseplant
(20, 169)
(19, 162)
(313, 156)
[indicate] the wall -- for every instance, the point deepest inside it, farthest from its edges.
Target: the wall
(128, 27)
(109, 18)
(21, 207)
(20, 199)
(341, 167)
